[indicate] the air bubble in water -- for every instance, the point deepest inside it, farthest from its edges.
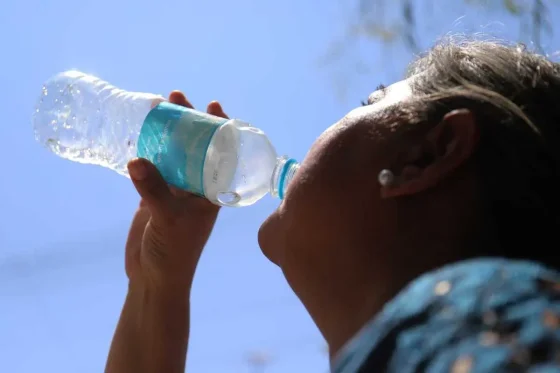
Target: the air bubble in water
(76, 119)
(228, 198)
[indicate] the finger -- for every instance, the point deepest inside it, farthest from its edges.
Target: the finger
(178, 98)
(152, 188)
(142, 204)
(135, 236)
(138, 225)
(215, 108)
(181, 193)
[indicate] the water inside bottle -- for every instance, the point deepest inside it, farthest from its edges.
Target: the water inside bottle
(228, 198)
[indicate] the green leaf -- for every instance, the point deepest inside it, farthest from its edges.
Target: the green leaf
(513, 7)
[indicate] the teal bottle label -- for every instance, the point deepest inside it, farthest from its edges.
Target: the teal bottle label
(175, 139)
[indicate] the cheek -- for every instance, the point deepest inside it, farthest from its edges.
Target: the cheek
(320, 224)
(316, 206)
(317, 210)
(296, 220)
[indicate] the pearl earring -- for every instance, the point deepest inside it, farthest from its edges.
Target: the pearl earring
(385, 178)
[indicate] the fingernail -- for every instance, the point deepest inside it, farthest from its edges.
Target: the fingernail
(137, 170)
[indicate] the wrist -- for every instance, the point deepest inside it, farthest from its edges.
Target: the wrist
(153, 330)
(145, 293)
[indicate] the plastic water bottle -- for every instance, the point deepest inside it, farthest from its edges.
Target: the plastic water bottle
(85, 119)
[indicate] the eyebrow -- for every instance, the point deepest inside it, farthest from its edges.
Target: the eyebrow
(377, 96)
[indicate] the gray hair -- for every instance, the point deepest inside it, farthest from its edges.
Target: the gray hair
(515, 96)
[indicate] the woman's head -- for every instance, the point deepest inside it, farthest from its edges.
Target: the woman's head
(473, 139)
(513, 95)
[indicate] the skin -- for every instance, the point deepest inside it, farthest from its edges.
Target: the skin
(166, 238)
(345, 244)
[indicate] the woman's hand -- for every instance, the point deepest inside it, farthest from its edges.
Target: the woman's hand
(170, 227)
(164, 245)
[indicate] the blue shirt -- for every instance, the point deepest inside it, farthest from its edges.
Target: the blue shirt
(478, 316)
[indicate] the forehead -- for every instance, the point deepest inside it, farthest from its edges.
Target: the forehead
(383, 98)
(378, 100)
(391, 95)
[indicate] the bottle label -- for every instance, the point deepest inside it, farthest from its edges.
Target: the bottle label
(175, 139)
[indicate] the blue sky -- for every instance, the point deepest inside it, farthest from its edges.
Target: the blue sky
(63, 225)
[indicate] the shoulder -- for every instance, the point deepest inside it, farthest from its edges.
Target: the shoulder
(477, 316)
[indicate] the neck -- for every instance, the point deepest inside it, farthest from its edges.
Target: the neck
(340, 324)
(359, 296)
(342, 302)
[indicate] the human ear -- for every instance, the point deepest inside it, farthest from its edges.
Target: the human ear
(442, 151)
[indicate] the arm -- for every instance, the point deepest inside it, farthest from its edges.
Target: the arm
(166, 239)
(152, 333)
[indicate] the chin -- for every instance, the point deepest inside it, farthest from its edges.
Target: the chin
(270, 239)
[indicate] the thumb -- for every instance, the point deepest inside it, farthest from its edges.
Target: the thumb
(152, 188)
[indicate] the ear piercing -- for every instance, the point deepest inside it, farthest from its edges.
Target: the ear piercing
(385, 178)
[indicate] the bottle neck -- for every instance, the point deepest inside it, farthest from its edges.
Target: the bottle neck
(283, 174)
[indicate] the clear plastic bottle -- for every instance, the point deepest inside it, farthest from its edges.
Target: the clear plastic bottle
(84, 119)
